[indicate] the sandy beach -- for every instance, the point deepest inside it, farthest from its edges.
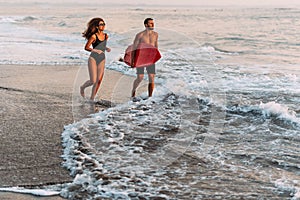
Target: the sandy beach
(36, 104)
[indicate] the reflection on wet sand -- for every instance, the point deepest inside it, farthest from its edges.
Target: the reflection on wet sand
(87, 108)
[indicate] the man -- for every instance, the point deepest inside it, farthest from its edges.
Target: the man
(150, 37)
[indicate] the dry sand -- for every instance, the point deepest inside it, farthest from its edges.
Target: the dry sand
(36, 103)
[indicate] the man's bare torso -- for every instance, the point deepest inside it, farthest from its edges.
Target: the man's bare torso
(148, 37)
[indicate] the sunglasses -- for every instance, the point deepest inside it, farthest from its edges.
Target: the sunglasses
(102, 24)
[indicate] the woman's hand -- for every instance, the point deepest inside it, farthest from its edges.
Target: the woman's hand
(108, 49)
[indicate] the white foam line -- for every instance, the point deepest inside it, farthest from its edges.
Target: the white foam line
(36, 192)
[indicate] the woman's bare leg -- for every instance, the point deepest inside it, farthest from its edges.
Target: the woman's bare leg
(101, 70)
(99, 77)
(92, 73)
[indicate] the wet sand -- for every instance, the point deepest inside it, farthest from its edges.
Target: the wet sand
(36, 104)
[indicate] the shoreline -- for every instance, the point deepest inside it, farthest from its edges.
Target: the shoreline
(36, 103)
(20, 196)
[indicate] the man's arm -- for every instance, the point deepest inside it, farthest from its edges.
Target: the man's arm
(156, 41)
(134, 47)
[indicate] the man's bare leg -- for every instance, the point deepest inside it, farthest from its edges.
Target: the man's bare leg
(151, 84)
(136, 83)
(150, 89)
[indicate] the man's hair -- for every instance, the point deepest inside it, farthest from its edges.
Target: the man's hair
(147, 20)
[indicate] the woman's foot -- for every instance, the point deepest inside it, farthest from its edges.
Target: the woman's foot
(82, 91)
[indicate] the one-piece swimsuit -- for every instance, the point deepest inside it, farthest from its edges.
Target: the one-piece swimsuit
(100, 45)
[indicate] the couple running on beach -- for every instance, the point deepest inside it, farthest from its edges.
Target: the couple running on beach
(97, 39)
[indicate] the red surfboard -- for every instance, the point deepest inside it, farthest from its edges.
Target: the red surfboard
(145, 55)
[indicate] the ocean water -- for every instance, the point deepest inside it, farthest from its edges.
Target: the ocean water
(224, 120)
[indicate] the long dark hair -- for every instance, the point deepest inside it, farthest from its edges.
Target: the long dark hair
(92, 27)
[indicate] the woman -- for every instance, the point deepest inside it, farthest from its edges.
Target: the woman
(97, 39)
